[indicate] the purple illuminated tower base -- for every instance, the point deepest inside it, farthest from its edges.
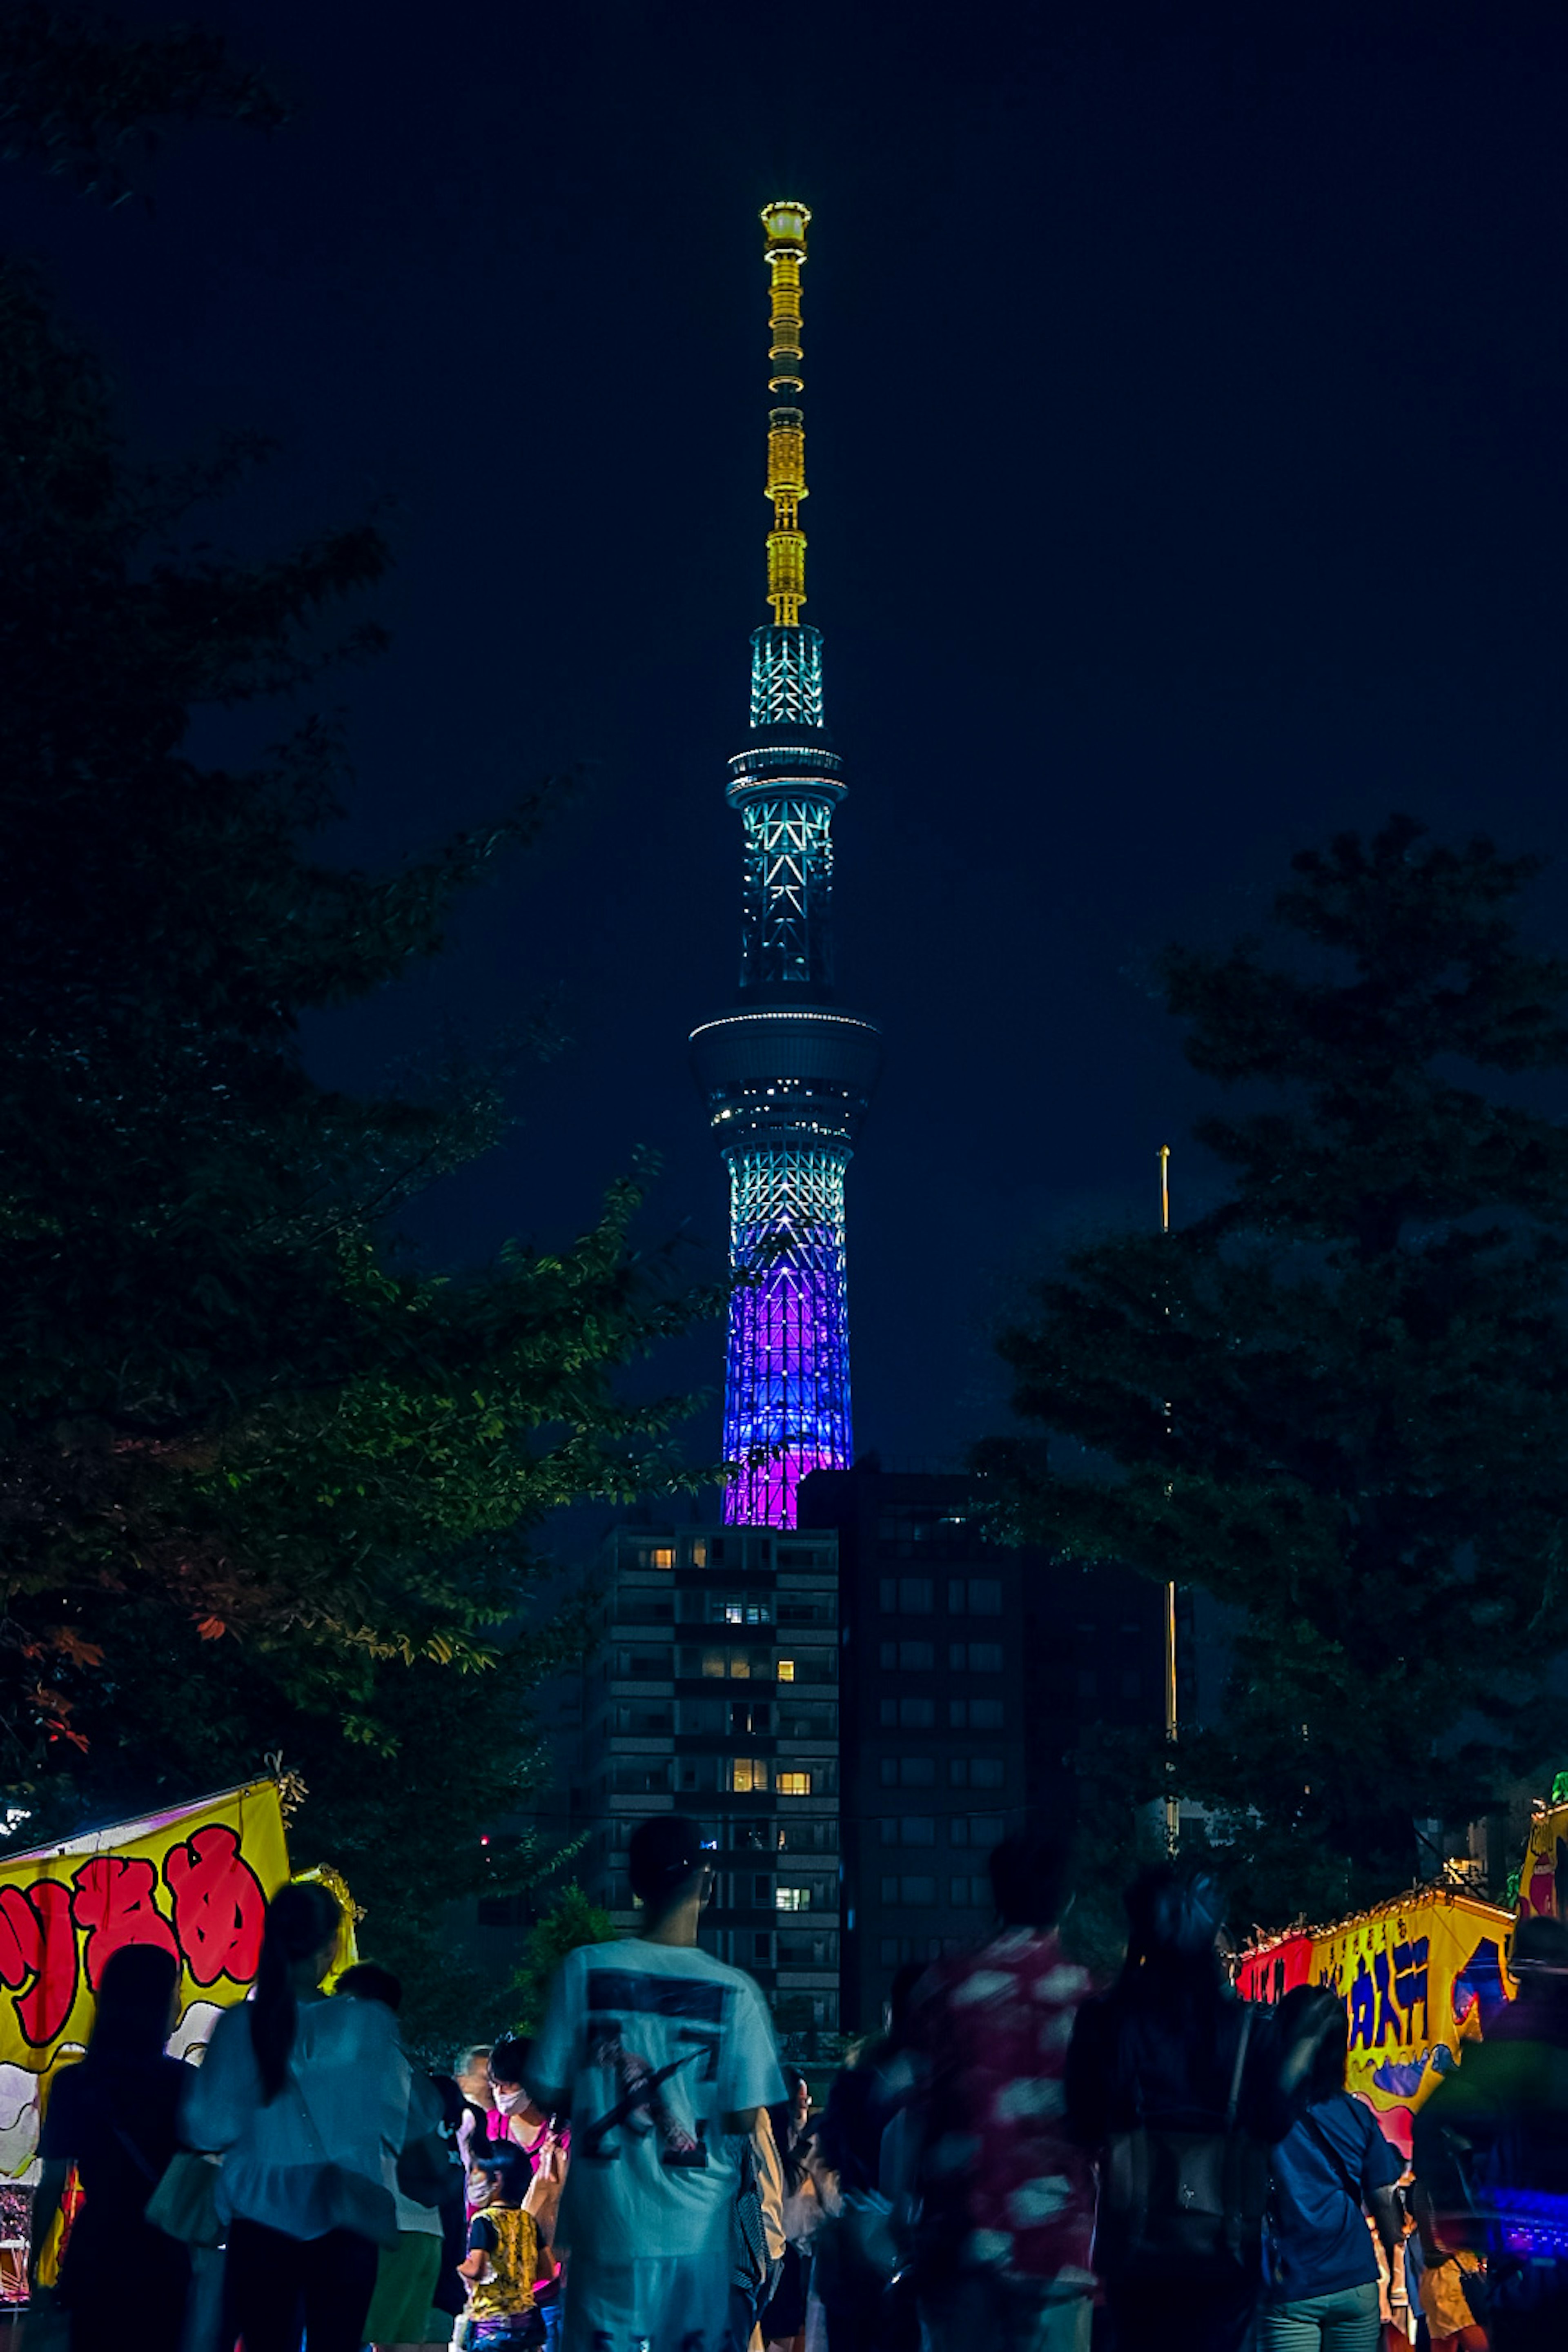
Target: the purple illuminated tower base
(787, 1389)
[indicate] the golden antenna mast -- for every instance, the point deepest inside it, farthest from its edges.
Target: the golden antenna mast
(785, 227)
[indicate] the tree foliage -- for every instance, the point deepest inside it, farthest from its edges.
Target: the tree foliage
(1339, 1401)
(263, 1483)
(571, 1920)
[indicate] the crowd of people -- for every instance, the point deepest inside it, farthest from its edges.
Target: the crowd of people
(1018, 2162)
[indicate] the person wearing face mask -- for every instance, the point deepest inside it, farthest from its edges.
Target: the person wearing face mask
(515, 2118)
(544, 2151)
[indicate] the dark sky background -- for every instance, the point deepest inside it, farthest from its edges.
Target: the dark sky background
(1187, 400)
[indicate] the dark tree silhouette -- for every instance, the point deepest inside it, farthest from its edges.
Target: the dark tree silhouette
(1339, 1401)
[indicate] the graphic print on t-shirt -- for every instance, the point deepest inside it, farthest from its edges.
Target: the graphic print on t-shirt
(616, 1997)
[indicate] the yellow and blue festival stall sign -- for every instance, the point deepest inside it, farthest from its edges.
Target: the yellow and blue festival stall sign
(194, 1881)
(1418, 1978)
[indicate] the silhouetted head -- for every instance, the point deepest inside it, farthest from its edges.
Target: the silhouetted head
(1174, 1911)
(1297, 2013)
(135, 2012)
(1540, 1954)
(302, 1923)
(368, 1980)
(499, 2174)
(1029, 1876)
(666, 1862)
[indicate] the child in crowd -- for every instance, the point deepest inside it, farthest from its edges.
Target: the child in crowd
(505, 2258)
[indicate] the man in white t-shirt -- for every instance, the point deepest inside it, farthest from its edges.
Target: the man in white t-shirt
(662, 2057)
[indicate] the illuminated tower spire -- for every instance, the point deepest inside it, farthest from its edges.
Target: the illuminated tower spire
(787, 1072)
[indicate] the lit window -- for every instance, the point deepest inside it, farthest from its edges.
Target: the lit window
(792, 1784)
(786, 1670)
(749, 1775)
(794, 1898)
(739, 1664)
(714, 1662)
(699, 1555)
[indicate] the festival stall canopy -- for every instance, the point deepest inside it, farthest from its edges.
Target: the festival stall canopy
(1418, 1978)
(195, 1881)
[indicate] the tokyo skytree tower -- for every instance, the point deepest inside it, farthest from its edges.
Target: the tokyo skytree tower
(788, 1073)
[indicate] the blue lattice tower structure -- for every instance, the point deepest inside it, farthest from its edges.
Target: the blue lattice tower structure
(788, 1072)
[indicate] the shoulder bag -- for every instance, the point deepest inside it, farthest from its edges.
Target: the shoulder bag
(184, 2205)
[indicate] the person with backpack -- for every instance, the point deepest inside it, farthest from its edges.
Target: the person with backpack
(1178, 2090)
(660, 2057)
(1332, 2172)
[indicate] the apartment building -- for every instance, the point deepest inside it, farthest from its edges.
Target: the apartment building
(968, 1671)
(712, 1689)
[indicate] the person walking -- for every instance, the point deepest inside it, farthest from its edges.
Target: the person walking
(406, 2272)
(1332, 2172)
(1007, 2198)
(782, 2319)
(1177, 2089)
(857, 2252)
(308, 2100)
(659, 2056)
(115, 2116)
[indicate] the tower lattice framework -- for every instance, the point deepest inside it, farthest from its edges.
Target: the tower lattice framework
(788, 1073)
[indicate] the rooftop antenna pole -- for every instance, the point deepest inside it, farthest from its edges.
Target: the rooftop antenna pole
(1173, 1803)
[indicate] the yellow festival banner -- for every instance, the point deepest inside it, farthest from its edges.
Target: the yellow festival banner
(1418, 1978)
(196, 1882)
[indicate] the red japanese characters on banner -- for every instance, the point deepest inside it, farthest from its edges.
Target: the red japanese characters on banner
(195, 1882)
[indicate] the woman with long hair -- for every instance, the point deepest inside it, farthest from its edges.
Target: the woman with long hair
(124, 2284)
(309, 2100)
(1332, 2171)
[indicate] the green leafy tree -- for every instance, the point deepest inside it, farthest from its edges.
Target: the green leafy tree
(571, 1920)
(1339, 1401)
(263, 1485)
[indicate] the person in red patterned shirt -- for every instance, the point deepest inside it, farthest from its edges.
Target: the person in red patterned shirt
(1008, 2200)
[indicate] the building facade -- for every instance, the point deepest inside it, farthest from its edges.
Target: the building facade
(713, 1690)
(969, 1670)
(787, 1072)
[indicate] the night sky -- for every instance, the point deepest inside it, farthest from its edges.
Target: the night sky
(1186, 398)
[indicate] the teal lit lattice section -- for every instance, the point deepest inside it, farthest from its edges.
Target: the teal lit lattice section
(786, 933)
(786, 677)
(786, 1397)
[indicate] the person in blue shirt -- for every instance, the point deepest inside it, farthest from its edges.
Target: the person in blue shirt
(1331, 2171)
